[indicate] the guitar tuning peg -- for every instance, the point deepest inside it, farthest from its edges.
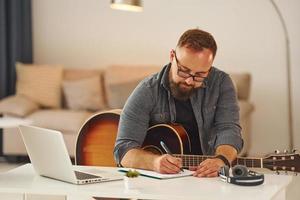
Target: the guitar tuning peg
(277, 151)
(285, 151)
(277, 172)
(295, 173)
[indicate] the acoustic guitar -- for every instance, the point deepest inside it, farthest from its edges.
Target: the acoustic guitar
(97, 137)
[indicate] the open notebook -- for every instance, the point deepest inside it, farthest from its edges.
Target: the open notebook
(153, 174)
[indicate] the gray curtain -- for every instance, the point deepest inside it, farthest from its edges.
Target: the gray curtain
(15, 43)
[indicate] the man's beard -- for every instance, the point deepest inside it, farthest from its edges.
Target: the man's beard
(179, 93)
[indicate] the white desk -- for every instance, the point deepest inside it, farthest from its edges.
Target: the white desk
(24, 180)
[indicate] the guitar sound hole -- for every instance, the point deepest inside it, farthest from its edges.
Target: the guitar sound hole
(175, 140)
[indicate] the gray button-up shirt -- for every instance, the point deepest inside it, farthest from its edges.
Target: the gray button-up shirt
(215, 107)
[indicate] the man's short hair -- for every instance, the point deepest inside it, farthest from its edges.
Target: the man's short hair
(197, 39)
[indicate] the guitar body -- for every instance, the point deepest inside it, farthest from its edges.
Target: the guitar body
(96, 139)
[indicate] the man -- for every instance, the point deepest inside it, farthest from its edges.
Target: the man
(188, 91)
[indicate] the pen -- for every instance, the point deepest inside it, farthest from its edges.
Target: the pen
(164, 146)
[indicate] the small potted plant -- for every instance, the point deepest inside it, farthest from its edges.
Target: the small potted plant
(130, 179)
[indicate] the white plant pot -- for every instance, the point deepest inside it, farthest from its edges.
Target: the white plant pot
(131, 183)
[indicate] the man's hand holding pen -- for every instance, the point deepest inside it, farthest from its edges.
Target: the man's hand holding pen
(167, 164)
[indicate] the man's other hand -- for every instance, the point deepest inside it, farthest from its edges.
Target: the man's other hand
(167, 164)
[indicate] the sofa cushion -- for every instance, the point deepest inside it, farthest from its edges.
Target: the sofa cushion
(119, 92)
(41, 83)
(242, 83)
(121, 80)
(84, 94)
(71, 74)
(17, 105)
(245, 108)
(62, 120)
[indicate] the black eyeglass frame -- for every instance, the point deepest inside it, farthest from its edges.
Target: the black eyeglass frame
(185, 74)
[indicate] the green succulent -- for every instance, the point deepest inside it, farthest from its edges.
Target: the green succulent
(132, 173)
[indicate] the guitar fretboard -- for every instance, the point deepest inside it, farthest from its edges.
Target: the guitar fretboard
(249, 162)
(194, 160)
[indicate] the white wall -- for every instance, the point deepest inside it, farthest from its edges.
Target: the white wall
(291, 14)
(87, 33)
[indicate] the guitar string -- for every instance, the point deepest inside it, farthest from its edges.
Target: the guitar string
(274, 166)
(240, 160)
(252, 163)
(268, 165)
(271, 160)
(280, 168)
(205, 157)
(191, 160)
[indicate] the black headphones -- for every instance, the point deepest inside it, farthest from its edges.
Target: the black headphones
(241, 176)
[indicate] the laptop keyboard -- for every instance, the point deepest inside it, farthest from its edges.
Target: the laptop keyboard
(83, 176)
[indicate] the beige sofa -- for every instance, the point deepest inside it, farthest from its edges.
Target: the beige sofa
(115, 83)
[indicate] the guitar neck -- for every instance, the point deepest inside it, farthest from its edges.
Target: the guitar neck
(194, 160)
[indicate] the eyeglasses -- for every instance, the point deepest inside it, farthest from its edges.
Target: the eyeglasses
(185, 73)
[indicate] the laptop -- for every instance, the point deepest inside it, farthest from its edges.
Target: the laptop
(49, 157)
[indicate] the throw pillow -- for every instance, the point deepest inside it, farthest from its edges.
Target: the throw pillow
(120, 81)
(118, 93)
(17, 105)
(84, 94)
(40, 83)
(242, 81)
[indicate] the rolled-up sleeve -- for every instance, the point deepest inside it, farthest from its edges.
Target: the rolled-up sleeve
(227, 126)
(134, 121)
